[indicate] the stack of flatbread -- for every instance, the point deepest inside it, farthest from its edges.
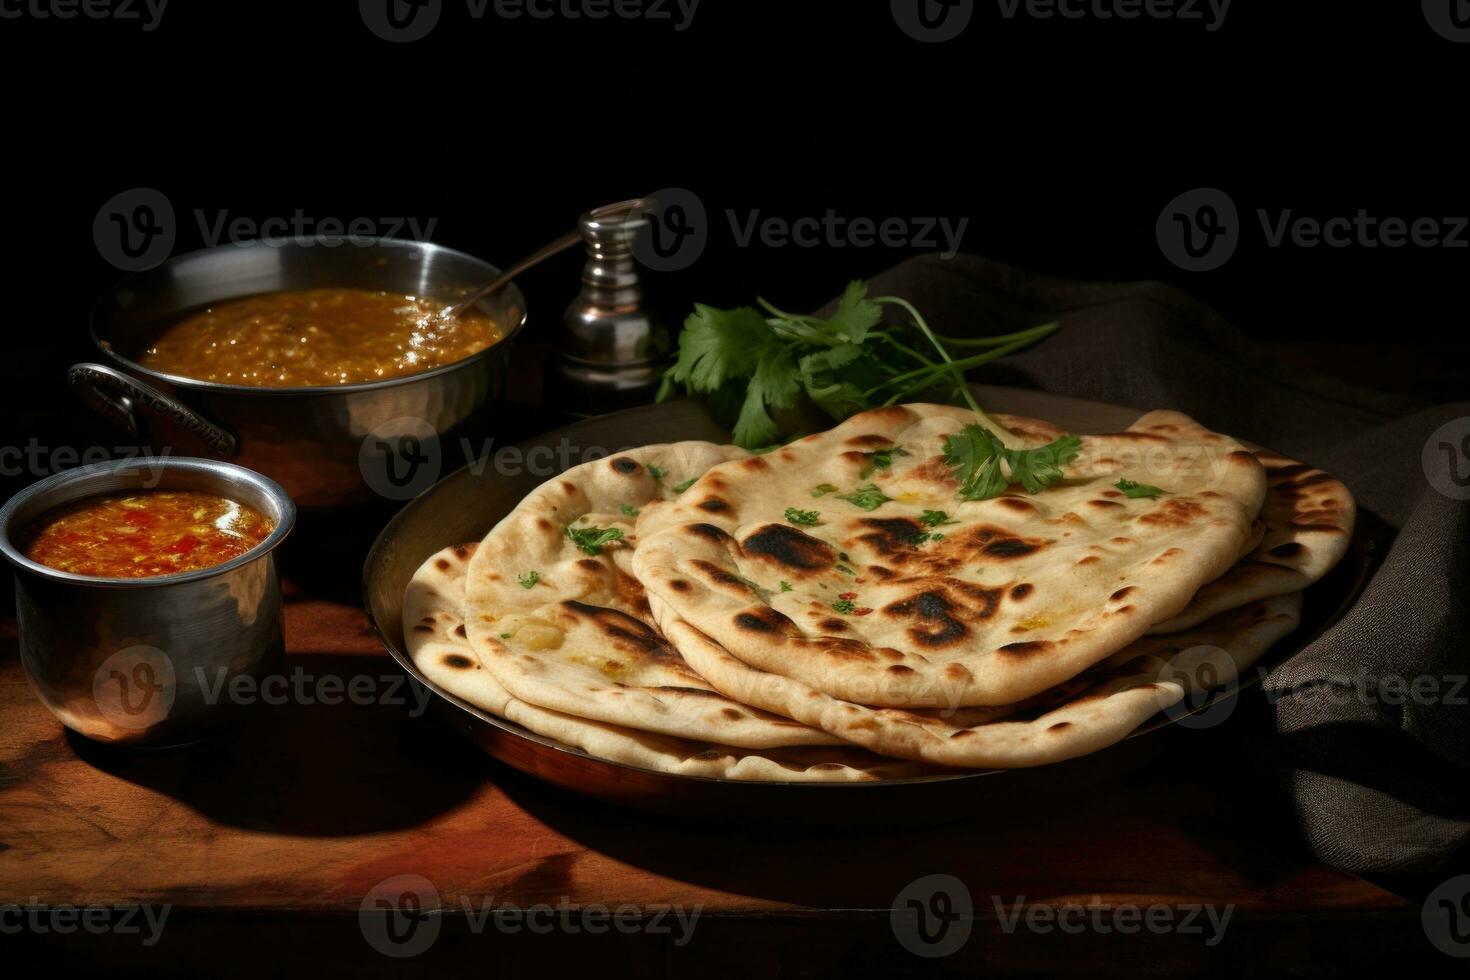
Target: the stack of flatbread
(833, 611)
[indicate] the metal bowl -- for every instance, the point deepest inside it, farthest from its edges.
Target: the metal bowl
(149, 661)
(465, 505)
(328, 446)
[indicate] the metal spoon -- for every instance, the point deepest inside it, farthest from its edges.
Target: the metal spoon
(561, 244)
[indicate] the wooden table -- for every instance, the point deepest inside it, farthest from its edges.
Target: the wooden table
(265, 846)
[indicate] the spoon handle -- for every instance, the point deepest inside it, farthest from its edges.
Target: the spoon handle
(540, 255)
(620, 209)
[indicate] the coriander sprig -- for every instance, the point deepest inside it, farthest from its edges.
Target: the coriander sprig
(751, 363)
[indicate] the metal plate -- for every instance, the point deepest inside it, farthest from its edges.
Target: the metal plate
(465, 505)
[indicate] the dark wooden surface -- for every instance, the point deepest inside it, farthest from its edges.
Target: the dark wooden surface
(265, 844)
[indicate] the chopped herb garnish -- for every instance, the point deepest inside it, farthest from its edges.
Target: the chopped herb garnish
(844, 606)
(922, 536)
(528, 579)
(844, 569)
(505, 636)
(822, 489)
(1132, 489)
(975, 454)
(866, 497)
(628, 510)
(806, 518)
(591, 539)
(656, 472)
(785, 586)
(880, 459)
(681, 487)
(934, 518)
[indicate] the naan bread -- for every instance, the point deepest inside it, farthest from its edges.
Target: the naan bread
(1308, 521)
(1098, 708)
(579, 639)
(1023, 592)
(436, 639)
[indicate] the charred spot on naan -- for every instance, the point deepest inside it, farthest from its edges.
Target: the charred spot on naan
(764, 620)
(791, 550)
(458, 661)
(940, 614)
(624, 632)
(716, 505)
(720, 579)
(625, 465)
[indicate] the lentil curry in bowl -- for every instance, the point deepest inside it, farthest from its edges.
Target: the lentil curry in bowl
(316, 337)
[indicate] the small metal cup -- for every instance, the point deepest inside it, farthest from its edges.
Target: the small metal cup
(149, 661)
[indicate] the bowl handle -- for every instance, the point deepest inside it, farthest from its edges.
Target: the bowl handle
(113, 394)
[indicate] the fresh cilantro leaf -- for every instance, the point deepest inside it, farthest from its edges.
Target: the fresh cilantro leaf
(656, 472)
(1135, 490)
(934, 518)
(774, 385)
(844, 606)
(806, 518)
(880, 459)
(822, 489)
(681, 487)
(528, 580)
(866, 497)
(716, 346)
(844, 570)
(975, 455)
(591, 539)
(505, 636)
(628, 510)
(785, 586)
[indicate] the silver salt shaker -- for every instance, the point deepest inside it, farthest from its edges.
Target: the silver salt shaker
(612, 353)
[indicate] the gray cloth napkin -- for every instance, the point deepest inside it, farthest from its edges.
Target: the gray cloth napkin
(1380, 782)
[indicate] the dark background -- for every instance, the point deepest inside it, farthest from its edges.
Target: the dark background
(1060, 141)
